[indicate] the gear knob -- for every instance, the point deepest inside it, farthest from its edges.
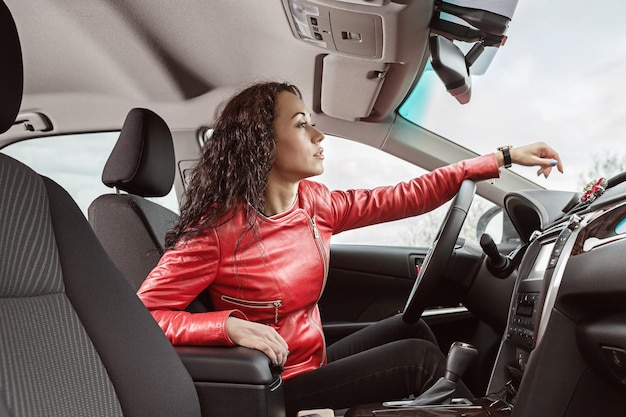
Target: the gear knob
(460, 356)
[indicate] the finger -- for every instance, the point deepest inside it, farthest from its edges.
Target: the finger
(279, 340)
(281, 357)
(271, 334)
(281, 353)
(278, 346)
(545, 171)
(266, 346)
(277, 355)
(559, 165)
(555, 157)
(267, 350)
(545, 162)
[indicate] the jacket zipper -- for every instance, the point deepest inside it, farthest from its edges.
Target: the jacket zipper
(322, 250)
(255, 304)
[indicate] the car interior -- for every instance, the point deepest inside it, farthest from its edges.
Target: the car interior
(534, 322)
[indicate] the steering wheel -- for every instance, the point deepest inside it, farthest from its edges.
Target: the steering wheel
(437, 257)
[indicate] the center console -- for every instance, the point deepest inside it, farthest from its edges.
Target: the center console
(529, 294)
(528, 303)
(542, 363)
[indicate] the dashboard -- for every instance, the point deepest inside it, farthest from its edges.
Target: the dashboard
(564, 349)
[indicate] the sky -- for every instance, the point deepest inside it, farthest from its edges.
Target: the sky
(559, 78)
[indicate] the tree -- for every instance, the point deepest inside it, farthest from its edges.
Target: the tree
(422, 230)
(605, 165)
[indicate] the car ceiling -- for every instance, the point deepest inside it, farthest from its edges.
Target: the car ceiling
(88, 62)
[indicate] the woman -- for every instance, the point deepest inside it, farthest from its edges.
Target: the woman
(254, 234)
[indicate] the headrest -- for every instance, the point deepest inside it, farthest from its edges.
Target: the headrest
(142, 161)
(11, 70)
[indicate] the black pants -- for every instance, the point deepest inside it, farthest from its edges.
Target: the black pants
(388, 360)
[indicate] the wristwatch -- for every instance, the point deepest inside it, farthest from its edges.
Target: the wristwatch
(506, 153)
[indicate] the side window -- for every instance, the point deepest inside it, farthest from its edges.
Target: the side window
(353, 165)
(75, 162)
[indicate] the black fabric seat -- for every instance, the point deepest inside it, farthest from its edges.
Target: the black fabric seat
(76, 341)
(130, 227)
(74, 338)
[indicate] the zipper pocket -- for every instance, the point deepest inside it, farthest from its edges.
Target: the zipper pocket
(255, 304)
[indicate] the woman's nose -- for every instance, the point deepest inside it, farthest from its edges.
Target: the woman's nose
(318, 135)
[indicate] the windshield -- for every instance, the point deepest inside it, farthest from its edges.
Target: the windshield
(558, 78)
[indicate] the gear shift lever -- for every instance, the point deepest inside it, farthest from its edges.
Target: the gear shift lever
(459, 358)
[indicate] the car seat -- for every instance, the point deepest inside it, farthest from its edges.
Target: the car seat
(132, 230)
(130, 227)
(74, 339)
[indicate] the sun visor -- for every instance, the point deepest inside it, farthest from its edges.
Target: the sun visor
(350, 86)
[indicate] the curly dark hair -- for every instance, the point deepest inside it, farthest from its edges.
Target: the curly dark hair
(234, 165)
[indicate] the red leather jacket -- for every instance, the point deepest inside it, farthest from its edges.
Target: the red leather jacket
(278, 276)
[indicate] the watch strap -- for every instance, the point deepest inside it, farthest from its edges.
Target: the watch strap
(506, 154)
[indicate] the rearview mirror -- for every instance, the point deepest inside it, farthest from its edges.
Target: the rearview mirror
(449, 64)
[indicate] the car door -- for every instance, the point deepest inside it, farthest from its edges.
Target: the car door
(366, 283)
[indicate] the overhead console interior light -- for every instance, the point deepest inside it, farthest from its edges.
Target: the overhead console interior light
(306, 19)
(352, 32)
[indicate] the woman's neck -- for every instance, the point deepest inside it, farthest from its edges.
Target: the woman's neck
(279, 197)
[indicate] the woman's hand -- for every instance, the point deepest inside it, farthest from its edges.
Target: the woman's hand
(536, 154)
(260, 337)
